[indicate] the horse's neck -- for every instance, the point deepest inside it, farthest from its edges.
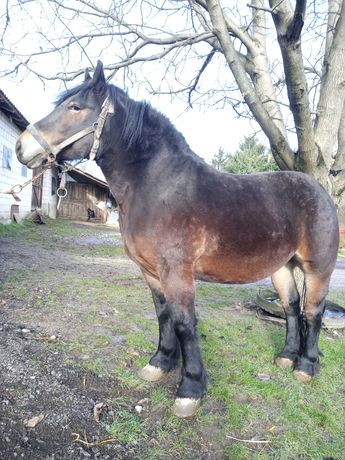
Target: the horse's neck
(118, 182)
(125, 171)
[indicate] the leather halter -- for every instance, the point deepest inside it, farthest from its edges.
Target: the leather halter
(96, 128)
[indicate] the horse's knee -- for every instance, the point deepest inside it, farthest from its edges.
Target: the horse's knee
(185, 326)
(292, 306)
(313, 316)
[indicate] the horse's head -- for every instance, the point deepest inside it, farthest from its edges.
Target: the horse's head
(72, 129)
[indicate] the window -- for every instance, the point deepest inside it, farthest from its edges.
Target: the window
(24, 171)
(6, 157)
(54, 185)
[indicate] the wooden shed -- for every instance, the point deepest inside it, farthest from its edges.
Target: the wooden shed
(86, 192)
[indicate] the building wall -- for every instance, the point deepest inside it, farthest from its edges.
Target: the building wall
(12, 173)
(49, 197)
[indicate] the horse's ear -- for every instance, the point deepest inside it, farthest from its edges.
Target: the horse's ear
(98, 78)
(87, 75)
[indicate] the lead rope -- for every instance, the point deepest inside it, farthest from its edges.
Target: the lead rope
(17, 188)
(61, 192)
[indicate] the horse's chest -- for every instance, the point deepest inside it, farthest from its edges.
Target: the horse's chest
(142, 252)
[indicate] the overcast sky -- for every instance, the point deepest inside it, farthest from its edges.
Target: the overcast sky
(205, 130)
(33, 28)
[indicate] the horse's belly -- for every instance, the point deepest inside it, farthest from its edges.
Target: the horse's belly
(240, 269)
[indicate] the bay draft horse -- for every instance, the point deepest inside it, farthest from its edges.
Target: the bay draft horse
(182, 220)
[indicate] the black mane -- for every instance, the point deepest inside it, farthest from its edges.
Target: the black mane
(135, 114)
(144, 128)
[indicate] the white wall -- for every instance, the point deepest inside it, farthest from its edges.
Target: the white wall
(49, 201)
(9, 177)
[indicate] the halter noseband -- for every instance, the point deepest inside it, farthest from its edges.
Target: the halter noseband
(96, 128)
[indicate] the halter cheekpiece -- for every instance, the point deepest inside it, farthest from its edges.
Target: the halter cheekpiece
(96, 128)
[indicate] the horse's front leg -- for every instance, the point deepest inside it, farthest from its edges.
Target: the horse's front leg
(179, 290)
(174, 302)
(168, 351)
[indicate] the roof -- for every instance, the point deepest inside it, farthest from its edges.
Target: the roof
(86, 178)
(11, 111)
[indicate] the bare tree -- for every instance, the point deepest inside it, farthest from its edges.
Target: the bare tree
(279, 62)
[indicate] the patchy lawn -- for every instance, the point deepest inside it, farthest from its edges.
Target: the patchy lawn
(76, 324)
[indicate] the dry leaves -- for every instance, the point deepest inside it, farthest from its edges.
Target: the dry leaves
(97, 409)
(34, 421)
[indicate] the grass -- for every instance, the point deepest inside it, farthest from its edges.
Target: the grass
(220, 296)
(13, 228)
(304, 422)
(106, 250)
(127, 427)
(310, 418)
(337, 296)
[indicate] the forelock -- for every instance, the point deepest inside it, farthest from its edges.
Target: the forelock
(62, 97)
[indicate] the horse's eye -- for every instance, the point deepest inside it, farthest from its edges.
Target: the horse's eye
(74, 108)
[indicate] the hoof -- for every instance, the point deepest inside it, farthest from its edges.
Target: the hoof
(151, 373)
(283, 362)
(302, 376)
(185, 407)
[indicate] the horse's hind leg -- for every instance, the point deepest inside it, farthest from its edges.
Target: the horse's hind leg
(307, 364)
(284, 282)
(168, 351)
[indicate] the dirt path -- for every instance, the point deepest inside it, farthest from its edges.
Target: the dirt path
(36, 378)
(338, 276)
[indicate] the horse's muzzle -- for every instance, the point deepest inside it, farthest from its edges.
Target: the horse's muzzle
(29, 152)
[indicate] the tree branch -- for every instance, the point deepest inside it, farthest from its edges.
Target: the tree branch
(333, 16)
(296, 82)
(332, 93)
(260, 74)
(259, 8)
(295, 28)
(196, 80)
(6, 22)
(279, 145)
